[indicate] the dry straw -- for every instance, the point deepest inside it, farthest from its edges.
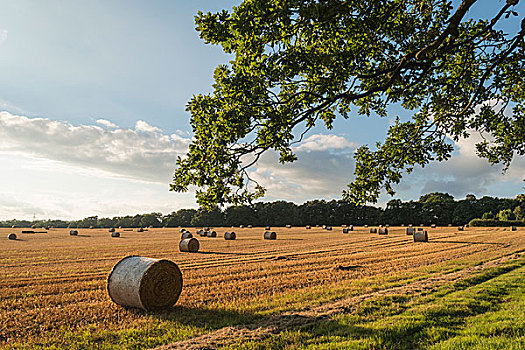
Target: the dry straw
(186, 234)
(145, 283)
(270, 235)
(230, 236)
(190, 245)
(420, 236)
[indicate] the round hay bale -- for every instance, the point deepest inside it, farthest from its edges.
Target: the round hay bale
(73, 233)
(383, 231)
(513, 228)
(242, 226)
(387, 225)
(345, 230)
(211, 234)
(270, 235)
(421, 236)
(350, 227)
(422, 225)
(324, 227)
(316, 225)
(288, 226)
(186, 234)
(140, 229)
(366, 226)
(449, 225)
(267, 228)
(145, 283)
(410, 225)
(420, 228)
(33, 226)
(182, 230)
(112, 229)
(14, 226)
(120, 227)
(328, 228)
(11, 236)
(206, 228)
(250, 226)
(433, 226)
(230, 236)
(460, 228)
(380, 226)
(402, 225)
(46, 228)
(91, 227)
(202, 233)
(410, 230)
(190, 245)
(373, 230)
(115, 234)
(308, 227)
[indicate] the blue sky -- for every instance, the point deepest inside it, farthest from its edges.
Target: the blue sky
(92, 98)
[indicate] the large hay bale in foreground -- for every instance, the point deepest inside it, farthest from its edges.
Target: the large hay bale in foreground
(373, 230)
(11, 236)
(190, 245)
(115, 234)
(73, 233)
(186, 234)
(145, 283)
(270, 235)
(420, 236)
(410, 230)
(383, 231)
(230, 236)
(211, 234)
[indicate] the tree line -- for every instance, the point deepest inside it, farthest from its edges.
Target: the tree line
(433, 208)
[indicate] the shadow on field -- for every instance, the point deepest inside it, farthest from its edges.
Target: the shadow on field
(79, 235)
(224, 253)
(467, 242)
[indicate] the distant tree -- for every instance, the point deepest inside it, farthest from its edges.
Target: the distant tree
(519, 214)
(296, 64)
(506, 214)
(488, 216)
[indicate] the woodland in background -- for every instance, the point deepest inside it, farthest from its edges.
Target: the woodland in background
(433, 208)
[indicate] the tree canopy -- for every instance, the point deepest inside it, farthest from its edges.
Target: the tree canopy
(301, 63)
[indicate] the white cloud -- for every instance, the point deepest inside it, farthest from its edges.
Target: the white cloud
(106, 123)
(3, 35)
(320, 142)
(144, 153)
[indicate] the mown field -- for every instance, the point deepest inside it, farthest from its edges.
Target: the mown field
(312, 289)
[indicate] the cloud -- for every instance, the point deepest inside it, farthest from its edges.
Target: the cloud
(320, 142)
(466, 173)
(316, 174)
(143, 153)
(3, 36)
(106, 123)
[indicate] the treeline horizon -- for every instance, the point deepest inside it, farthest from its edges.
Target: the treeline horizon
(433, 208)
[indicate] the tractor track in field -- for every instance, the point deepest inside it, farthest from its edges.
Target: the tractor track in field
(286, 321)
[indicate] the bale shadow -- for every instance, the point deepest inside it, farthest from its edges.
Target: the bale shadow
(223, 253)
(83, 235)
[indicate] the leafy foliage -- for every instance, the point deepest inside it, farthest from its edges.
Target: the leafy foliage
(298, 63)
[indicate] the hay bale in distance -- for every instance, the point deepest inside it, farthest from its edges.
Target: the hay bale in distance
(402, 225)
(433, 226)
(115, 234)
(387, 225)
(410, 230)
(270, 235)
(420, 228)
(373, 230)
(366, 226)
(242, 226)
(73, 233)
(461, 228)
(145, 283)
(112, 229)
(267, 228)
(328, 228)
(14, 226)
(513, 228)
(420, 236)
(350, 227)
(140, 229)
(324, 227)
(345, 230)
(410, 225)
(383, 231)
(91, 227)
(250, 226)
(186, 234)
(11, 236)
(182, 230)
(212, 234)
(288, 226)
(449, 225)
(190, 245)
(308, 227)
(230, 236)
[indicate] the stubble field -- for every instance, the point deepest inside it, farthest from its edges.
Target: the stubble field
(248, 293)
